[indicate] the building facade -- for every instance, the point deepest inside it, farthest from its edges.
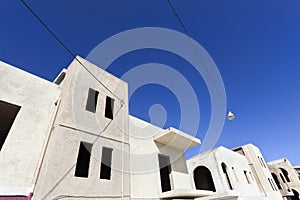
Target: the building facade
(286, 178)
(297, 168)
(74, 139)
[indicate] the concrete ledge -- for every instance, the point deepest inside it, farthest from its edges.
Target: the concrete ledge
(185, 194)
(176, 139)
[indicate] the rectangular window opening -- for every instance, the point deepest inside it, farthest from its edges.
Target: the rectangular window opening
(109, 108)
(60, 78)
(165, 171)
(251, 176)
(247, 178)
(271, 184)
(235, 175)
(83, 160)
(91, 103)
(274, 184)
(261, 162)
(105, 168)
(8, 115)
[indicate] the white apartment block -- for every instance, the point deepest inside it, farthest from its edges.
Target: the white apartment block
(74, 139)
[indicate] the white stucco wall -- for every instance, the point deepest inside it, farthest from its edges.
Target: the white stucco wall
(74, 124)
(236, 165)
(144, 165)
(287, 185)
(261, 172)
(23, 149)
(40, 152)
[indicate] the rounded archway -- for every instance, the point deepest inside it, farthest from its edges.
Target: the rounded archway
(296, 195)
(225, 171)
(203, 179)
(285, 174)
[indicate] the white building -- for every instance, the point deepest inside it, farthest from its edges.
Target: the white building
(297, 168)
(260, 171)
(286, 178)
(74, 139)
(224, 172)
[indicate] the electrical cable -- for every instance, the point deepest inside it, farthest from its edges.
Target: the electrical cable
(67, 49)
(193, 46)
(73, 55)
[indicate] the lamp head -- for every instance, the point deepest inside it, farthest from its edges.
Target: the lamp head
(230, 115)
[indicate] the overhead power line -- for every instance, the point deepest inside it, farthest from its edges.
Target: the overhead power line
(195, 49)
(67, 49)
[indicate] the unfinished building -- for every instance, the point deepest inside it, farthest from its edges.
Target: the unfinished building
(74, 139)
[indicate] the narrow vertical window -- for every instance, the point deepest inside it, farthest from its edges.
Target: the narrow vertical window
(224, 168)
(236, 177)
(83, 160)
(276, 181)
(109, 108)
(274, 184)
(251, 177)
(8, 113)
(247, 178)
(105, 169)
(286, 175)
(91, 103)
(271, 184)
(282, 178)
(262, 163)
(165, 171)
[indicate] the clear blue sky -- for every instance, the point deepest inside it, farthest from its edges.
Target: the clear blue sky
(255, 44)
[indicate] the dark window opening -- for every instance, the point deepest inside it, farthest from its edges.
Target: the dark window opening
(271, 184)
(239, 150)
(274, 184)
(247, 178)
(296, 195)
(285, 174)
(224, 168)
(8, 113)
(261, 162)
(251, 176)
(83, 160)
(276, 181)
(109, 108)
(203, 179)
(105, 169)
(60, 78)
(282, 178)
(165, 171)
(91, 103)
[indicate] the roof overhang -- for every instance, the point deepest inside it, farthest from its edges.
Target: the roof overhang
(176, 139)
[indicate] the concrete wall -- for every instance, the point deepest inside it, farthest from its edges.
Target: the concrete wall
(236, 165)
(22, 151)
(260, 171)
(288, 184)
(145, 174)
(74, 124)
(40, 153)
(297, 168)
